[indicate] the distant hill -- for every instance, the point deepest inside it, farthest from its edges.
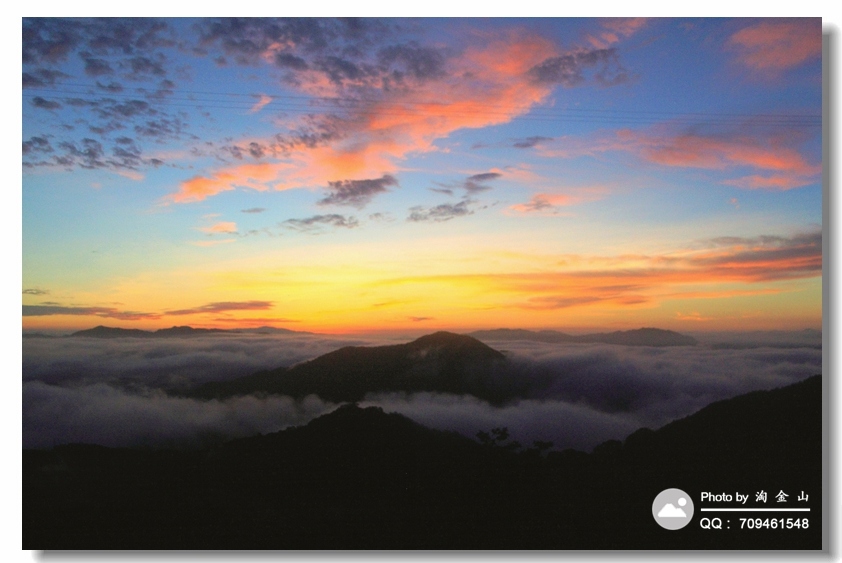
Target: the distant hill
(637, 337)
(442, 362)
(175, 331)
(110, 332)
(364, 479)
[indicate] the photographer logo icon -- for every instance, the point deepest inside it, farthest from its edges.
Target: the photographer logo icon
(672, 509)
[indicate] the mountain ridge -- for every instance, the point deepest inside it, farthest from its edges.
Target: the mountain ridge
(101, 331)
(361, 478)
(646, 336)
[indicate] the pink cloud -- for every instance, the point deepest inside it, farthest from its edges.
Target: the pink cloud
(547, 203)
(780, 182)
(261, 103)
(386, 126)
(614, 30)
(784, 166)
(775, 46)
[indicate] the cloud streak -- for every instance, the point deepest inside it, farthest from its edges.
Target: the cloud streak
(227, 227)
(104, 312)
(782, 167)
(224, 307)
(631, 280)
(750, 157)
(313, 224)
(113, 313)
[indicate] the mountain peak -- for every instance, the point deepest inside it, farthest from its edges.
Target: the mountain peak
(440, 362)
(454, 343)
(101, 331)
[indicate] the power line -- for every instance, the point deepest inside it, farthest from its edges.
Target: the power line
(368, 106)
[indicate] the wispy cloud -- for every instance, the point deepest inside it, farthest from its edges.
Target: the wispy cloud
(313, 224)
(548, 203)
(755, 159)
(614, 30)
(35, 291)
(104, 312)
(439, 213)
(647, 279)
(719, 151)
(478, 182)
(530, 142)
(261, 103)
(224, 307)
(113, 313)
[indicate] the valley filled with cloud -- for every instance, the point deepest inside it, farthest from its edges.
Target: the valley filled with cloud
(136, 391)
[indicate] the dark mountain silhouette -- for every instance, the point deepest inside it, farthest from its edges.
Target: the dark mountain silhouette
(268, 330)
(441, 362)
(640, 337)
(637, 337)
(364, 479)
(175, 331)
(110, 332)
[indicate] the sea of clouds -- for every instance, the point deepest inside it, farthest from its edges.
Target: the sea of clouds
(126, 391)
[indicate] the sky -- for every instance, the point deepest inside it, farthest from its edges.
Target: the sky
(387, 175)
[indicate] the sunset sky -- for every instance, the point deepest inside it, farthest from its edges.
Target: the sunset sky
(414, 175)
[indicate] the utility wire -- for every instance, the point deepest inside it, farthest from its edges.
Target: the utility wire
(368, 107)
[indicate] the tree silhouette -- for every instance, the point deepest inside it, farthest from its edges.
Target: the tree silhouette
(496, 438)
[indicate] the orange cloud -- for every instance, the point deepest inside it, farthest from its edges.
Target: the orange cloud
(775, 46)
(693, 316)
(254, 176)
(221, 227)
(632, 281)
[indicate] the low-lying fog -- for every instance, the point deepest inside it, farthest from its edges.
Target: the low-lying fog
(120, 392)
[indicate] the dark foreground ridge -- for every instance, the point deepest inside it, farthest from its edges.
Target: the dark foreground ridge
(442, 362)
(637, 337)
(364, 479)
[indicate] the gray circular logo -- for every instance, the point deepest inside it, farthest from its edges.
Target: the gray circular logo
(672, 509)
